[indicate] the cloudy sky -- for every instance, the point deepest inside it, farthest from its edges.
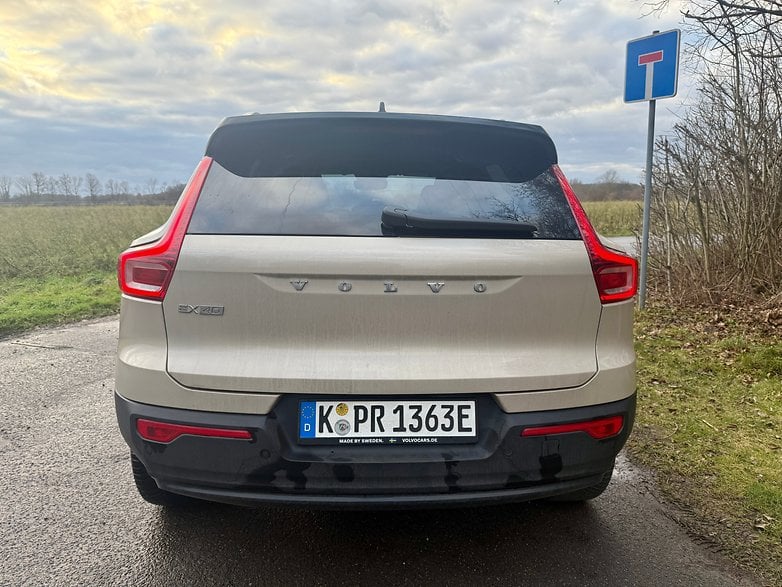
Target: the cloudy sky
(131, 89)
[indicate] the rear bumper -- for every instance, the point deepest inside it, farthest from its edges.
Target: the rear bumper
(273, 468)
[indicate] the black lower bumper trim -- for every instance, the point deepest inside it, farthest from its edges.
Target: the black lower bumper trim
(357, 502)
(273, 467)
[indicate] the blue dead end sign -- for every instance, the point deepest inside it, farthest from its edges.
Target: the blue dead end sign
(652, 70)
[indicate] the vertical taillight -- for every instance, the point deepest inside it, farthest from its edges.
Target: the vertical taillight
(616, 276)
(146, 271)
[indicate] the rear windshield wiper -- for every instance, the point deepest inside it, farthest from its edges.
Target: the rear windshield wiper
(401, 222)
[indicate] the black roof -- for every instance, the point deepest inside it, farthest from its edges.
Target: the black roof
(380, 144)
(256, 118)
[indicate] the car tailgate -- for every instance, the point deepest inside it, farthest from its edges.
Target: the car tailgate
(375, 315)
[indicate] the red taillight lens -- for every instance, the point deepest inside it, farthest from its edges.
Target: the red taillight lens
(599, 429)
(616, 276)
(614, 279)
(146, 271)
(147, 275)
(165, 432)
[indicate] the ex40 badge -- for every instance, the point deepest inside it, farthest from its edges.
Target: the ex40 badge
(201, 310)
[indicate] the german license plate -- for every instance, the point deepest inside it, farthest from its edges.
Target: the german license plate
(387, 422)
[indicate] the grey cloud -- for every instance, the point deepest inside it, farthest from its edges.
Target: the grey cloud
(126, 154)
(558, 65)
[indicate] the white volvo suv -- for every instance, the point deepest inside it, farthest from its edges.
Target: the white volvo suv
(375, 310)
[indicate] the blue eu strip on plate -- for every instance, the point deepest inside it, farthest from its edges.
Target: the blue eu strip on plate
(307, 420)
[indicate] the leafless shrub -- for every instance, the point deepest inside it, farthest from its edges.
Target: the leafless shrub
(717, 208)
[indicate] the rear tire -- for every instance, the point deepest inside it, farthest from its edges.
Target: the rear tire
(586, 493)
(150, 492)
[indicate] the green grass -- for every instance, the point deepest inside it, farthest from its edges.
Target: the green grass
(38, 242)
(58, 264)
(710, 424)
(615, 218)
(26, 303)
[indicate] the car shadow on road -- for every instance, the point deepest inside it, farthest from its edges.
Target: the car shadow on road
(217, 544)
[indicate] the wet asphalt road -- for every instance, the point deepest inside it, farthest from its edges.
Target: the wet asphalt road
(69, 513)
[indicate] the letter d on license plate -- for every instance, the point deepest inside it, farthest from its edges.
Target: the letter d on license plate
(388, 422)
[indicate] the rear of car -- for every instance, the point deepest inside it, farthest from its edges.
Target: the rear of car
(350, 309)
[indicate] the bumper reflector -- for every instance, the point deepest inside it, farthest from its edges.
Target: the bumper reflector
(599, 429)
(165, 432)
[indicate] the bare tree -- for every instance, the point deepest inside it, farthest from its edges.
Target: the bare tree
(111, 187)
(5, 187)
(50, 186)
(26, 186)
(78, 181)
(151, 186)
(610, 176)
(746, 18)
(40, 184)
(719, 175)
(69, 185)
(93, 186)
(65, 184)
(705, 10)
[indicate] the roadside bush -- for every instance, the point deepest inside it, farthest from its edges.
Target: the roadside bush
(717, 203)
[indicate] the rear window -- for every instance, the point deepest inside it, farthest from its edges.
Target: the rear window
(334, 176)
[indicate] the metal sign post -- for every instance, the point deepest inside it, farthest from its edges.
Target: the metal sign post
(652, 72)
(647, 205)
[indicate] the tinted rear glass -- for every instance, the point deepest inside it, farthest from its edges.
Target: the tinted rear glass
(335, 176)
